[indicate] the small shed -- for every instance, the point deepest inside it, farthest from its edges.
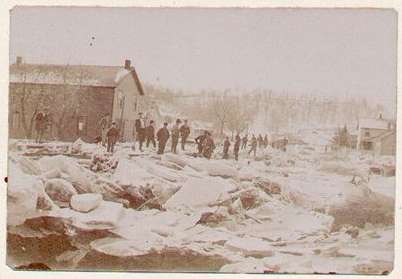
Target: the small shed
(385, 144)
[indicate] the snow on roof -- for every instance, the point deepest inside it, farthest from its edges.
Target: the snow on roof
(85, 75)
(120, 75)
(370, 123)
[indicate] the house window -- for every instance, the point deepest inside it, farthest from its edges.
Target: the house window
(367, 134)
(120, 99)
(82, 125)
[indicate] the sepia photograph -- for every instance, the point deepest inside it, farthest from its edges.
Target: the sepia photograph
(191, 139)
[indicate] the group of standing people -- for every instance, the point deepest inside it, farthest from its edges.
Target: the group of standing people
(241, 143)
(145, 134)
(255, 142)
(262, 142)
(179, 132)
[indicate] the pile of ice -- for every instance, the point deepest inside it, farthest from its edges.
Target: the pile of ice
(284, 212)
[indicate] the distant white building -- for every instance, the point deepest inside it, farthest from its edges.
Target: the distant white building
(378, 135)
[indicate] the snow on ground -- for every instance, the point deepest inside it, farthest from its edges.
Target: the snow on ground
(301, 211)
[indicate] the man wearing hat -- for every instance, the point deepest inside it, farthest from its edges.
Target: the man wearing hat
(112, 136)
(175, 135)
(140, 129)
(253, 146)
(208, 146)
(184, 133)
(226, 145)
(200, 140)
(150, 133)
(236, 147)
(103, 124)
(162, 136)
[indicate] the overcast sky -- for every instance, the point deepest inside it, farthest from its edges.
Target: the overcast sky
(328, 52)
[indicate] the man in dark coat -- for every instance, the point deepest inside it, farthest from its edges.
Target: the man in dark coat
(199, 141)
(285, 144)
(175, 136)
(266, 141)
(150, 133)
(50, 126)
(236, 147)
(208, 146)
(140, 129)
(46, 120)
(226, 145)
(162, 136)
(104, 124)
(253, 146)
(260, 141)
(244, 143)
(112, 136)
(184, 133)
(40, 126)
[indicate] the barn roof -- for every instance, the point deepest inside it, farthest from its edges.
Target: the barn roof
(85, 75)
(385, 135)
(370, 123)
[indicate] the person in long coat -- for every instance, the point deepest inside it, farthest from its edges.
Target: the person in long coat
(260, 141)
(184, 133)
(40, 126)
(266, 141)
(175, 136)
(226, 145)
(140, 129)
(244, 142)
(199, 141)
(150, 133)
(112, 136)
(236, 147)
(162, 136)
(103, 125)
(285, 144)
(253, 146)
(208, 146)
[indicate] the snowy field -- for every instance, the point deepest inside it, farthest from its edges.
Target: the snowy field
(304, 210)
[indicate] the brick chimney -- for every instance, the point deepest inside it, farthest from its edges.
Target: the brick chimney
(18, 60)
(127, 64)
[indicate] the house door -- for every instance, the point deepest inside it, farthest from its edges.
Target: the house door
(82, 126)
(367, 145)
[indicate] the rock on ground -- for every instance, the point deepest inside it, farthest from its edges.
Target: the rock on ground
(85, 202)
(249, 246)
(80, 177)
(60, 191)
(200, 192)
(22, 195)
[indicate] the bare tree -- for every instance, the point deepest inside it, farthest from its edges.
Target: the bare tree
(28, 101)
(239, 116)
(220, 107)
